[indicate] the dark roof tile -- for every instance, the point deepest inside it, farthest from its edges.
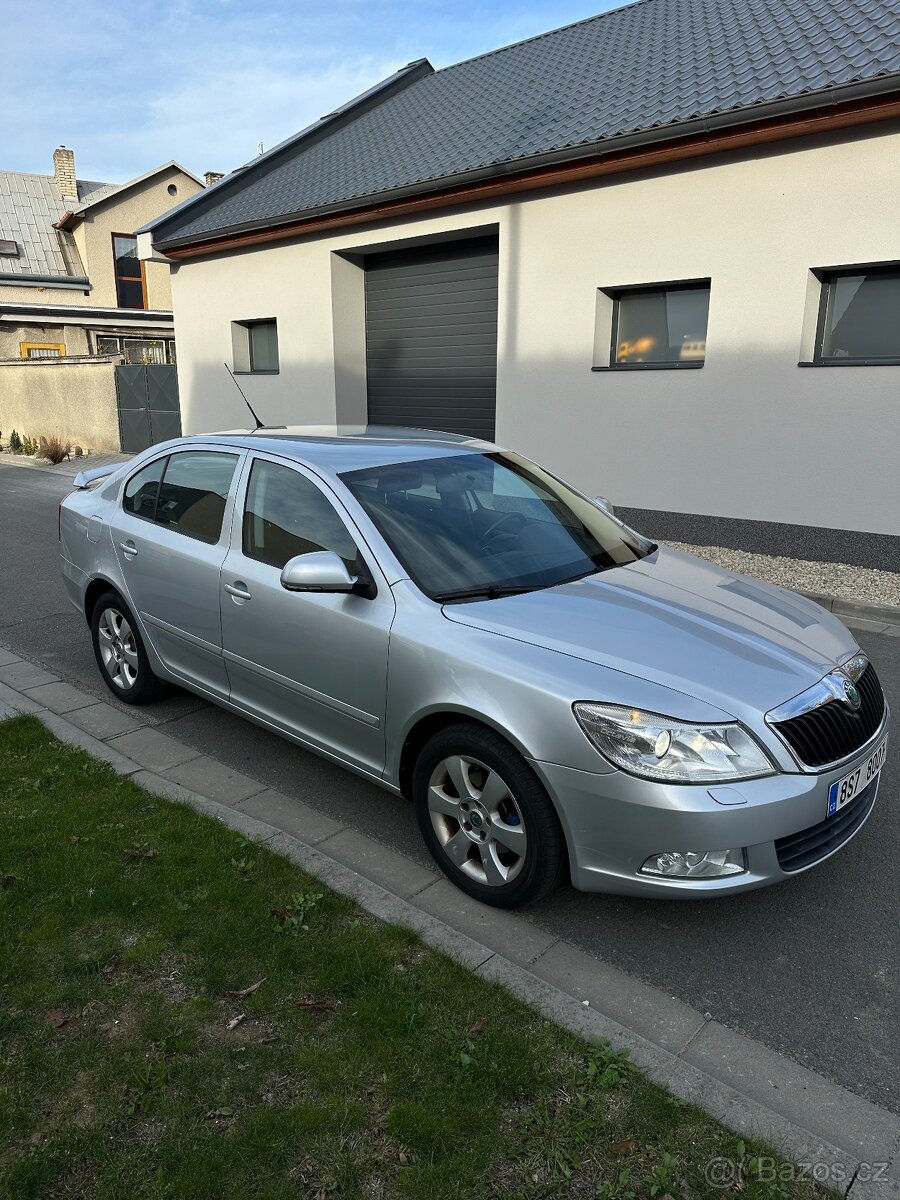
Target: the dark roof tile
(652, 64)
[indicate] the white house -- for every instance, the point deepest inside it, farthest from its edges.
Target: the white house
(657, 250)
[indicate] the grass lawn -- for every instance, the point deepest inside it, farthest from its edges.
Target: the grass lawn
(184, 1014)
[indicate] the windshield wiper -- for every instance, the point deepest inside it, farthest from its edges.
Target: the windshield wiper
(491, 591)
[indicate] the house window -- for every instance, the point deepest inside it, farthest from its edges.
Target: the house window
(131, 289)
(662, 326)
(140, 352)
(42, 349)
(137, 351)
(255, 346)
(859, 316)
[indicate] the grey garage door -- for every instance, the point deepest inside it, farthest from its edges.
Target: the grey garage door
(431, 337)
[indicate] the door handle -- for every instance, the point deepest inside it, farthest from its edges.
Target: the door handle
(129, 549)
(238, 590)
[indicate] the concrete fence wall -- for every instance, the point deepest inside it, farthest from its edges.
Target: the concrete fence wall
(73, 398)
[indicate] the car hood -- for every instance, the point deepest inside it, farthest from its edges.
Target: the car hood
(738, 643)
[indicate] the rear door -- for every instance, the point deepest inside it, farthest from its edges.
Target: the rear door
(314, 664)
(170, 537)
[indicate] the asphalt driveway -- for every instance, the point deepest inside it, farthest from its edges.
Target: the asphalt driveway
(810, 968)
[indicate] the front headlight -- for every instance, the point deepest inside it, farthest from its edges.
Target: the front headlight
(657, 747)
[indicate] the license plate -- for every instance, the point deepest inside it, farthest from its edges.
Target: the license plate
(843, 790)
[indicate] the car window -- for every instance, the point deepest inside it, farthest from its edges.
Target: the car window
(142, 489)
(285, 515)
(482, 522)
(193, 492)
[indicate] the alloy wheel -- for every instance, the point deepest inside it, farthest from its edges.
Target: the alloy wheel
(118, 648)
(477, 821)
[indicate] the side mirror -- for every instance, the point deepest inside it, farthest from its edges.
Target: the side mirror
(319, 571)
(602, 502)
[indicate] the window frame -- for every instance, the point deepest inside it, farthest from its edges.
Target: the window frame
(235, 452)
(826, 277)
(25, 347)
(616, 293)
(245, 326)
(128, 278)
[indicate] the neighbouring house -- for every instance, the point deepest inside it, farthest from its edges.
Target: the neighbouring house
(658, 250)
(75, 299)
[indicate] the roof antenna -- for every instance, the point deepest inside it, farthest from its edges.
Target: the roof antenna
(259, 424)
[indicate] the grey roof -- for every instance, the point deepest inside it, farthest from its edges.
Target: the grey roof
(637, 72)
(29, 207)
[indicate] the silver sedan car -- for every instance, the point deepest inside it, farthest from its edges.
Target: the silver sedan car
(554, 692)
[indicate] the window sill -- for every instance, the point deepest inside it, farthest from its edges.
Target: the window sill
(275, 372)
(652, 366)
(852, 362)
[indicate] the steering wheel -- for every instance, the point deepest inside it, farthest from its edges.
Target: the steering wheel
(494, 526)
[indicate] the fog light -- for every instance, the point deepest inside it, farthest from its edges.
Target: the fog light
(695, 864)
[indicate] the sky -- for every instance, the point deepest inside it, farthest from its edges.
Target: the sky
(131, 84)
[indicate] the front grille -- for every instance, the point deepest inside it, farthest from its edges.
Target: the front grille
(828, 734)
(802, 849)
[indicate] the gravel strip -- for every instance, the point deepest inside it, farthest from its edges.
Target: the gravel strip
(828, 579)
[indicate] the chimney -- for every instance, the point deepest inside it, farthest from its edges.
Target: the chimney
(64, 174)
(212, 177)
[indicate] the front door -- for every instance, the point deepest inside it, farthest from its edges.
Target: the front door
(314, 664)
(171, 538)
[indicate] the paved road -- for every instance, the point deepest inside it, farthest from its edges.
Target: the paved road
(810, 968)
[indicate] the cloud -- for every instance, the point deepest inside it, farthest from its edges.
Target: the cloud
(130, 85)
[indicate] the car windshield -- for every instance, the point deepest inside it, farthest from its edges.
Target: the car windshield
(473, 526)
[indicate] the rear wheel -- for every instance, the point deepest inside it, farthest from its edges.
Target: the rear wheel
(486, 818)
(120, 652)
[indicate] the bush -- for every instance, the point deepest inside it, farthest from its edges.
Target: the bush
(15, 443)
(55, 449)
(29, 445)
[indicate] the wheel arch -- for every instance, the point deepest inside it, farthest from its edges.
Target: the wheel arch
(427, 724)
(94, 590)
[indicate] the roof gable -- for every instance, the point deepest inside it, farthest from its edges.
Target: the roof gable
(643, 70)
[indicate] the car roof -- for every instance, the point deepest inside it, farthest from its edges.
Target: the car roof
(337, 448)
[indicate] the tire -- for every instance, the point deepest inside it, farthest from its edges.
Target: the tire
(120, 652)
(506, 848)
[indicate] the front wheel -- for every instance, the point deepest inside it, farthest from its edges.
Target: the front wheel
(120, 652)
(486, 818)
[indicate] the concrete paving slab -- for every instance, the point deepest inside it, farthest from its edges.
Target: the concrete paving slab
(214, 779)
(59, 697)
(392, 871)
(7, 657)
(867, 1188)
(291, 816)
(746, 1116)
(833, 1113)
(250, 827)
(153, 750)
(102, 720)
(504, 932)
(18, 701)
(652, 1013)
(22, 674)
(62, 728)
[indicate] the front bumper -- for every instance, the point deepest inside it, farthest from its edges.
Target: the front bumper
(614, 822)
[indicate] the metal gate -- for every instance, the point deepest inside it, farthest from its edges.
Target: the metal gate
(431, 337)
(147, 399)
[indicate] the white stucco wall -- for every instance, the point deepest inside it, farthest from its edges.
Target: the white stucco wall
(750, 435)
